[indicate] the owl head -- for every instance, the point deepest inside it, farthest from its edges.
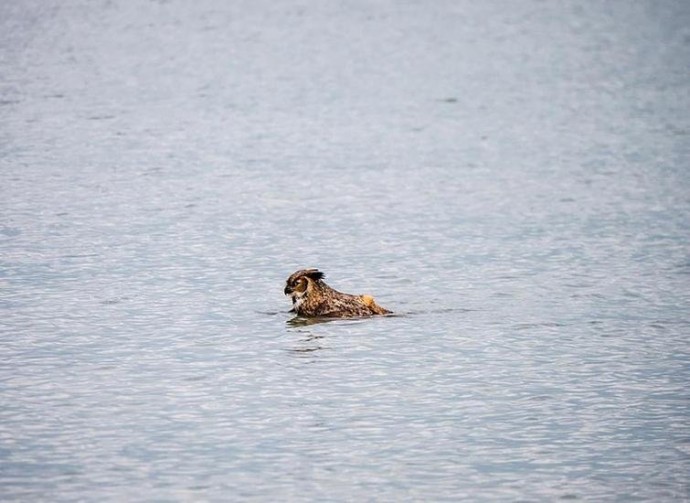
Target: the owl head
(301, 283)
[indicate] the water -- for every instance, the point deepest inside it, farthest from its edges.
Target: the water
(510, 179)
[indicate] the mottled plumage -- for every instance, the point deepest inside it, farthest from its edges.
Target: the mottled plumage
(312, 297)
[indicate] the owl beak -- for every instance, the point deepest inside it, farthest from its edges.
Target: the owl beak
(287, 290)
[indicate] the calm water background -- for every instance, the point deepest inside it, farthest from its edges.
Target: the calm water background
(510, 177)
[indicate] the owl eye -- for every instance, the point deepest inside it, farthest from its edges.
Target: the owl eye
(300, 284)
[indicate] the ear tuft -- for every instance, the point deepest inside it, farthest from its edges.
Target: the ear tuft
(314, 274)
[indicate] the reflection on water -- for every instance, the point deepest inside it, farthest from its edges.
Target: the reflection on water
(299, 321)
(512, 182)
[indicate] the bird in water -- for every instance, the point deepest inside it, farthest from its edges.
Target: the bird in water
(311, 296)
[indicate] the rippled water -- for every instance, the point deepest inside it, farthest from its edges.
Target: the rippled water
(510, 179)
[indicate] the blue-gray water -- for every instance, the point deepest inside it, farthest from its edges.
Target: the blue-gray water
(512, 178)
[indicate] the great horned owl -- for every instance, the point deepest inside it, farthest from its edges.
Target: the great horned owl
(312, 297)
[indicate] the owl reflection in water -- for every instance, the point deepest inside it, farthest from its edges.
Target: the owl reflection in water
(312, 297)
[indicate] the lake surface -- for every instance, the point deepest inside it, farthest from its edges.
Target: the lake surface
(511, 178)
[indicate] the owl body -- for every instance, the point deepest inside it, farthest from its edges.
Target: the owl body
(311, 296)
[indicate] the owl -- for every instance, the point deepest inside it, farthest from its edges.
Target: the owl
(311, 296)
